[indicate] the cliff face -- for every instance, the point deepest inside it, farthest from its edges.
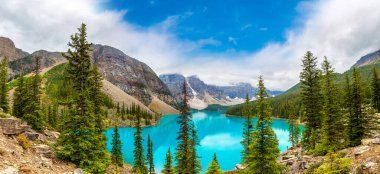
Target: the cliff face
(130, 75)
(8, 49)
(370, 58)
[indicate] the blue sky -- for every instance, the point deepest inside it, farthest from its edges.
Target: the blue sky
(221, 41)
(226, 25)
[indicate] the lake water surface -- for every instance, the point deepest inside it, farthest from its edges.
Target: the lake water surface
(217, 134)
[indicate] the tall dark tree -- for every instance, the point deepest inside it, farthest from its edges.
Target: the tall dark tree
(356, 120)
(96, 97)
(116, 151)
(247, 128)
(332, 133)
(214, 167)
(168, 166)
(80, 141)
(294, 128)
(375, 86)
(19, 100)
(138, 152)
(311, 100)
(3, 84)
(32, 109)
(183, 147)
(149, 156)
(264, 149)
(194, 163)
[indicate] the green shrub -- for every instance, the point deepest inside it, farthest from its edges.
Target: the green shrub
(313, 167)
(24, 141)
(3, 115)
(334, 165)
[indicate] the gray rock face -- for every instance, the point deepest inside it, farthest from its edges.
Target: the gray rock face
(8, 49)
(12, 126)
(130, 75)
(368, 59)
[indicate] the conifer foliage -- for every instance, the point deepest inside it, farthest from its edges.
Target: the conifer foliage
(138, 153)
(168, 166)
(80, 141)
(311, 100)
(3, 84)
(247, 128)
(116, 151)
(214, 167)
(264, 148)
(375, 85)
(149, 156)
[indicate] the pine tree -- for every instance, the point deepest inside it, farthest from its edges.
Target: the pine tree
(19, 100)
(294, 130)
(183, 146)
(264, 148)
(3, 84)
(332, 123)
(116, 151)
(149, 156)
(139, 160)
(356, 120)
(214, 167)
(80, 141)
(32, 109)
(96, 97)
(194, 163)
(311, 100)
(247, 129)
(168, 166)
(375, 84)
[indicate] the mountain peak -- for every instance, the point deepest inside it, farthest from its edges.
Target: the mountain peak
(8, 49)
(370, 58)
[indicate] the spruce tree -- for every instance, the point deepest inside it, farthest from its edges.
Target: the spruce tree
(356, 119)
(138, 151)
(19, 100)
(194, 163)
(294, 131)
(375, 86)
(168, 166)
(247, 129)
(183, 147)
(264, 149)
(311, 100)
(332, 133)
(96, 97)
(214, 167)
(3, 84)
(80, 141)
(149, 156)
(116, 151)
(32, 109)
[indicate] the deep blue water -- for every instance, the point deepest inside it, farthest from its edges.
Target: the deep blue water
(217, 134)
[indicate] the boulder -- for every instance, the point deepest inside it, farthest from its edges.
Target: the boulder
(368, 165)
(51, 135)
(13, 126)
(31, 135)
(239, 167)
(78, 171)
(376, 140)
(286, 157)
(43, 150)
(361, 149)
(9, 170)
(46, 162)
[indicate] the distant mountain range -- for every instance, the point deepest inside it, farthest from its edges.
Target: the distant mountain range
(368, 59)
(203, 94)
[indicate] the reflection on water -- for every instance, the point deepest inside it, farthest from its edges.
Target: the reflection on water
(217, 134)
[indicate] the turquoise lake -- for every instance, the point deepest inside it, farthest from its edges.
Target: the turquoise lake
(217, 134)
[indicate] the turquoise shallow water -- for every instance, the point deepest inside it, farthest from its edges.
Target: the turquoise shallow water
(217, 134)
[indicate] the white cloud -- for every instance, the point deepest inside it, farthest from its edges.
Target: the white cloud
(343, 30)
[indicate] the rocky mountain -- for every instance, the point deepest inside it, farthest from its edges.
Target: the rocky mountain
(203, 94)
(368, 59)
(130, 75)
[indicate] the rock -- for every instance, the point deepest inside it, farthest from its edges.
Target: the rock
(368, 165)
(46, 162)
(361, 149)
(52, 135)
(376, 140)
(68, 173)
(44, 150)
(78, 171)
(9, 170)
(366, 141)
(239, 167)
(12, 126)
(286, 157)
(31, 135)
(41, 138)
